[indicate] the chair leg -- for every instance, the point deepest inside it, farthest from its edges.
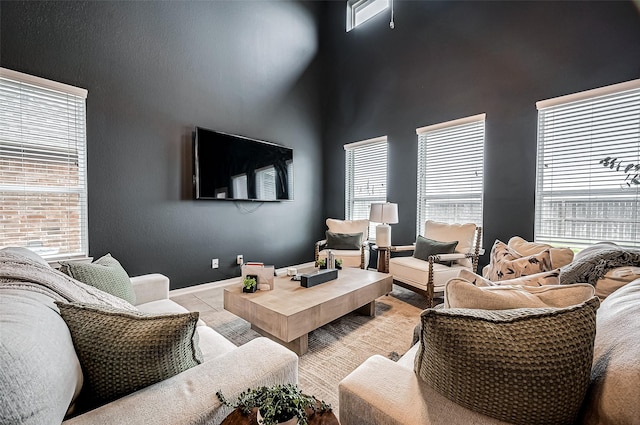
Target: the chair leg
(430, 287)
(477, 249)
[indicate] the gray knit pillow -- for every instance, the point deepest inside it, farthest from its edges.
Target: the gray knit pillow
(105, 273)
(121, 351)
(524, 366)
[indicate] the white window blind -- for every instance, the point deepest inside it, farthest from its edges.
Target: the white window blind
(239, 183)
(360, 11)
(588, 169)
(266, 183)
(450, 172)
(366, 178)
(43, 165)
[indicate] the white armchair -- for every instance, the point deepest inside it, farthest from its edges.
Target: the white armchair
(356, 257)
(429, 277)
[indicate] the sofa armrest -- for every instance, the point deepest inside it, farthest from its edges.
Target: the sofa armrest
(381, 392)
(190, 397)
(150, 287)
(402, 248)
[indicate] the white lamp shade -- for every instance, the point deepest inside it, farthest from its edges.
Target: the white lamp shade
(384, 213)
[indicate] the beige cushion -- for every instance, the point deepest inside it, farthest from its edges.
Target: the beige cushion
(460, 293)
(559, 256)
(383, 392)
(349, 226)
(416, 272)
(614, 395)
(350, 258)
(505, 263)
(122, 351)
(212, 344)
(165, 306)
(616, 279)
(444, 232)
(525, 366)
(538, 279)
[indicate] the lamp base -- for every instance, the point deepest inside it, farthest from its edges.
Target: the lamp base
(383, 235)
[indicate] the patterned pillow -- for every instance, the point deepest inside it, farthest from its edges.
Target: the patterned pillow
(106, 274)
(538, 279)
(122, 351)
(523, 366)
(559, 256)
(505, 263)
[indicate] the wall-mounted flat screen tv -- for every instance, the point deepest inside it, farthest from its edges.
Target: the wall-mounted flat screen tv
(231, 167)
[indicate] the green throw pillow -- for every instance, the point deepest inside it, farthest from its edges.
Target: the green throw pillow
(106, 274)
(426, 247)
(343, 240)
(528, 366)
(121, 351)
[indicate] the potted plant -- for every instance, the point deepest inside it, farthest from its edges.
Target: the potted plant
(339, 263)
(278, 404)
(321, 263)
(249, 283)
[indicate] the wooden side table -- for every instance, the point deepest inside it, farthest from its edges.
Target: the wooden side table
(384, 253)
(238, 418)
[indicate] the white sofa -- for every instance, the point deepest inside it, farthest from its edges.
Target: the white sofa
(384, 392)
(40, 373)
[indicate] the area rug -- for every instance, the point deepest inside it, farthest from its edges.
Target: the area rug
(335, 349)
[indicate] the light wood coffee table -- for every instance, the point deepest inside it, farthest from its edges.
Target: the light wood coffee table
(289, 312)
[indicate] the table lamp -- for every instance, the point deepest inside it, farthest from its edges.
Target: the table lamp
(385, 214)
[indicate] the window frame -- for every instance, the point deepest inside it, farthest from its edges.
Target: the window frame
(28, 147)
(437, 131)
(351, 150)
(584, 216)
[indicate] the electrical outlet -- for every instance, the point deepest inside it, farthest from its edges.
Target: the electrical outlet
(239, 260)
(214, 263)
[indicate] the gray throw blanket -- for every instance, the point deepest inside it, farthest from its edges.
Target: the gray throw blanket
(20, 272)
(594, 265)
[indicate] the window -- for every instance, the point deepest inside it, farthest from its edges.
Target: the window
(240, 185)
(450, 172)
(43, 188)
(366, 178)
(588, 169)
(360, 11)
(266, 183)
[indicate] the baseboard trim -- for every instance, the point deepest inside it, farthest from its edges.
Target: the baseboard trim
(226, 282)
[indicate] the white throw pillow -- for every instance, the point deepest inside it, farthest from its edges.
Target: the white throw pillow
(349, 226)
(444, 232)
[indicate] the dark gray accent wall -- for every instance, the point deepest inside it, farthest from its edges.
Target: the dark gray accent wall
(154, 70)
(453, 59)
